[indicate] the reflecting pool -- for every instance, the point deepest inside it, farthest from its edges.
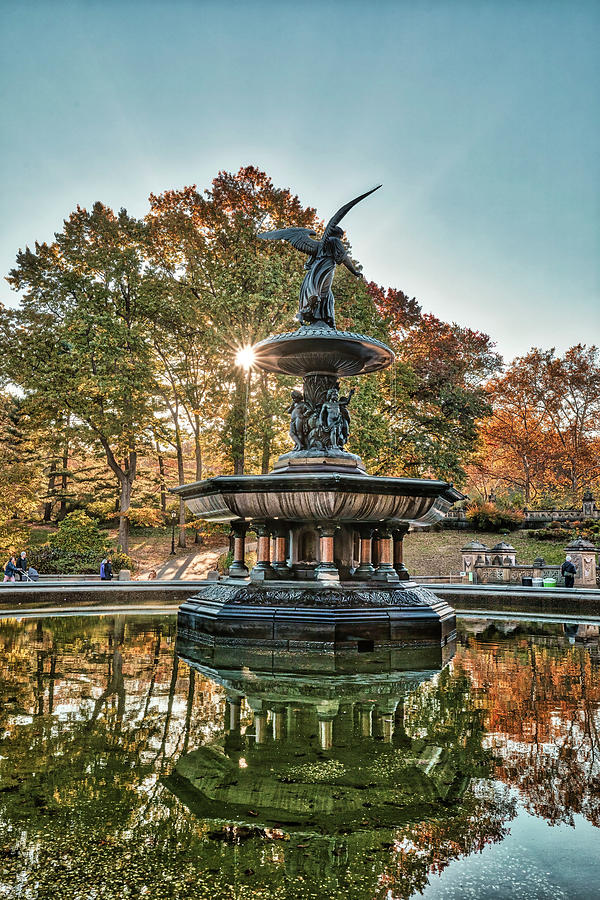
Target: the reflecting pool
(131, 766)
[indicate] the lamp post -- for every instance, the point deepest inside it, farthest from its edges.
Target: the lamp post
(173, 518)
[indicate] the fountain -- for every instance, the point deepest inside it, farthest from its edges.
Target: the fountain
(329, 574)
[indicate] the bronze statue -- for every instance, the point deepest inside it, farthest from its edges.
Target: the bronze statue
(320, 425)
(300, 412)
(316, 298)
(335, 418)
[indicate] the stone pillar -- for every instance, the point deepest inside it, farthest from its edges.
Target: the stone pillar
(365, 719)
(238, 569)
(326, 570)
(385, 570)
(279, 550)
(365, 570)
(583, 557)
(278, 717)
(326, 711)
(385, 719)
(326, 733)
(263, 568)
(398, 536)
(588, 505)
(235, 707)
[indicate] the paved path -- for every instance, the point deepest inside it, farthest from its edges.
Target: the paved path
(191, 566)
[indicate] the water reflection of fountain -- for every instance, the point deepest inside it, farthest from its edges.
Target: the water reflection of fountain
(343, 769)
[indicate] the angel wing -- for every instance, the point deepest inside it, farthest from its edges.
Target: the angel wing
(297, 237)
(339, 215)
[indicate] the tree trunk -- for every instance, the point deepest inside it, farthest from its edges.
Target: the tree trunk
(267, 426)
(237, 423)
(126, 483)
(64, 481)
(50, 501)
(197, 448)
(181, 480)
(163, 483)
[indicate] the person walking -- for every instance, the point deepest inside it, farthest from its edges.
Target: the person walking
(22, 565)
(569, 572)
(106, 572)
(10, 569)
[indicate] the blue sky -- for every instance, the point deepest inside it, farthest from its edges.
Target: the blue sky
(482, 120)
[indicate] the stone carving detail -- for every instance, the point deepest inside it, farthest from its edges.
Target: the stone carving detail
(316, 299)
(257, 595)
(320, 419)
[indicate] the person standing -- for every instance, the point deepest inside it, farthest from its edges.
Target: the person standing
(569, 572)
(10, 569)
(22, 565)
(106, 572)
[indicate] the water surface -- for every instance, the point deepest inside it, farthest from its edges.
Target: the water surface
(127, 772)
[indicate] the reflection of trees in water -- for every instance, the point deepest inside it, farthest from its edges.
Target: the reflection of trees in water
(541, 705)
(94, 711)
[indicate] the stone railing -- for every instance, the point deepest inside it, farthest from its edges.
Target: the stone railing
(514, 574)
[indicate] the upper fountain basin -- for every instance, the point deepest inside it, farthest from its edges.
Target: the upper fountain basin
(320, 349)
(320, 497)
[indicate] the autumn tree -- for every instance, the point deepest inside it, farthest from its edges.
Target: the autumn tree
(543, 436)
(81, 338)
(437, 394)
(237, 289)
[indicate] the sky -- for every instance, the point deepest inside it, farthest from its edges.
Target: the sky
(480, 117)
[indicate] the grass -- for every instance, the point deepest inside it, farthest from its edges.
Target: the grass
(438, 552)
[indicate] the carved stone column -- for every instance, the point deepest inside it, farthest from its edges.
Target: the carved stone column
(385, 570)
(278, 717)
(326, 570)
(263, 569)
(365, 719)
(260, 727)
(234, 702)
(365, 570)
(279, 555)
(238, 569)
(398, 536)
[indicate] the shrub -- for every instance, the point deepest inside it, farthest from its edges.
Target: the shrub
(146, 517)
(224, 561)
(487, 517)
(77, 548)
(551, 533)
(78, 533)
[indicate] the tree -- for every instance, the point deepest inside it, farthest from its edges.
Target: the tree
(437, 395)
(21, 473)
(543, 435)
(232, 289)
(81, 337)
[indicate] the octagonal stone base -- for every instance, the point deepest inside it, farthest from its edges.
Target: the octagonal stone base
(293, 618)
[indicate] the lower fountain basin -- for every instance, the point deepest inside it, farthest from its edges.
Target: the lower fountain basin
(319, 497)
(293, 619)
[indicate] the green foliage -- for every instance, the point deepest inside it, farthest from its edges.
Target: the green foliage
(77, 547)
(551, 533)
(486, 516)
(224, 561)
(78, 533)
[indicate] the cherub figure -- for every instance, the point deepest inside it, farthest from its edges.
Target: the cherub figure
(300, 412)
(316, 298)
(335, 418)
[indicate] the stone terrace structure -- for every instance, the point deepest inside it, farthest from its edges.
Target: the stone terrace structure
(498, 565)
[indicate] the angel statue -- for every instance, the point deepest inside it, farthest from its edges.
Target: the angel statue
(316, 298)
